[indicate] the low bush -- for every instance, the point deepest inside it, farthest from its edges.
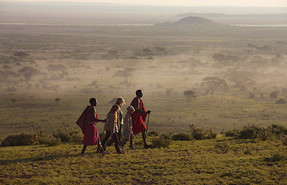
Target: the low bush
(201, 134)
(232, 133)
(254, 132)
(47, 140)
(162, 141)
(277, 129)
(182, 137)
(52, 141)
(210, 134)
(20, 140)
(67, 135)
(198, 133)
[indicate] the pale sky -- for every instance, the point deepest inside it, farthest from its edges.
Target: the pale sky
(255, 3)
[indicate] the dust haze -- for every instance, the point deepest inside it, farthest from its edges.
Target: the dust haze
(214, 69)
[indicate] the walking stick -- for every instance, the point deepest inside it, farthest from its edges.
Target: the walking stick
(101, 147)
(147, 123)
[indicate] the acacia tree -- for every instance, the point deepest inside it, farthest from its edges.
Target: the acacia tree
(126, 73)
(58, 71)
(21, 55)
(213, 83)
(189, 95)
(28, 73)
(241, 79)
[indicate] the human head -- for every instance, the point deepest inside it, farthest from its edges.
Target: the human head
(120, 101)
(93, 102)
(131, 109)
(139, 93)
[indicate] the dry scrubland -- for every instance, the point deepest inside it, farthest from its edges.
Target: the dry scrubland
(48, 73)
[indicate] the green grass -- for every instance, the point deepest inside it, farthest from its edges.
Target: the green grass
(184, 162)
(169, 114)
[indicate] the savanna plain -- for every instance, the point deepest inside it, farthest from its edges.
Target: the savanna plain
(198, 80)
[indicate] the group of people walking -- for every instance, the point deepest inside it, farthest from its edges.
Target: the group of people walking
(131, 124)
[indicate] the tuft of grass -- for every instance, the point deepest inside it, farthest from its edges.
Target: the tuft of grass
(222, 148)
(275, 158)
(284, 139)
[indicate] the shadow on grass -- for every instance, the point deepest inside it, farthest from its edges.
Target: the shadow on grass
(36, 159)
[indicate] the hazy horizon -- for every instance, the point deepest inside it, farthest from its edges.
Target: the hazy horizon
(216, 3)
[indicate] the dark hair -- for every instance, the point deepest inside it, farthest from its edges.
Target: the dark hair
(138, 91)
(92, 100)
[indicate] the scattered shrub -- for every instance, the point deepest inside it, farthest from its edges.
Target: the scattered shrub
(264, 134)
(66, 135)
(52, 141)
(161, 142)
(210, 135)
(248, 133)
(198, 134)
(273, 95)
(57, 100)
(20, 140)
(49, 141)
(254, 132)
(232, 133)
(182, 137)
(201, 134)
(153, 133)
(281, 101)
(277, 129)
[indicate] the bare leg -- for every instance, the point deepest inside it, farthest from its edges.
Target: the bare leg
(104, 144)
(84, 149)
(117, 143)
(131, 142)
(144, 139)
(124, 141)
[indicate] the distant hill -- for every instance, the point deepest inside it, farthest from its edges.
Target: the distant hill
(240, 18)
(188, 21)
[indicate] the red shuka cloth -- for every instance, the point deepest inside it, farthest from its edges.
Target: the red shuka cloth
(138, 118)
(91, 136)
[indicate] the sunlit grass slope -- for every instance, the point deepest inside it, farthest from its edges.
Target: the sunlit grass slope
(219, 161)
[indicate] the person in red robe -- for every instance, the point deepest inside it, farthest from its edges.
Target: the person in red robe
(87, 122)
(139, 116)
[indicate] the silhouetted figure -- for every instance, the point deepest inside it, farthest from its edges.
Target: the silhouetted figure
(128, 127)
(120, 101)
(139, 116)
(112, 129)
(87, 122)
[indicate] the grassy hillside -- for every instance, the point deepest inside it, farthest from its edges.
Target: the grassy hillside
(219, 161)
